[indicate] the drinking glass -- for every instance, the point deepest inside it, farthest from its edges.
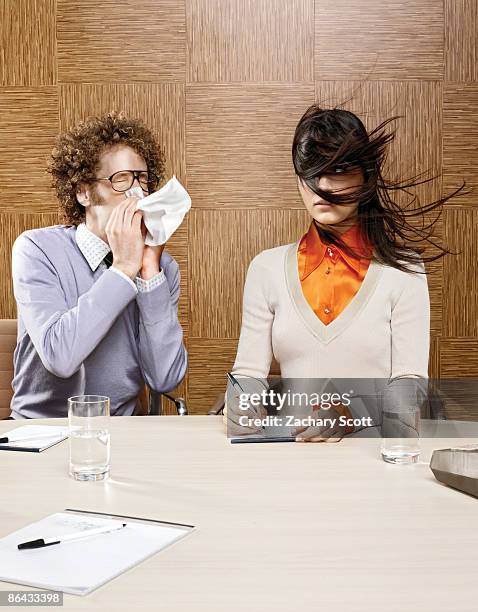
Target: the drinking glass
(401, 408)
(88, 417)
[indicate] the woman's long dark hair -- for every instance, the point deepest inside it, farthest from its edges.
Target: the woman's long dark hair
(330, 141)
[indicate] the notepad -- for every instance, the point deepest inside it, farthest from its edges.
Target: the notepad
(81, 566)
(33, 438)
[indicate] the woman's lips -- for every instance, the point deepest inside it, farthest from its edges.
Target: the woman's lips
(323, 204)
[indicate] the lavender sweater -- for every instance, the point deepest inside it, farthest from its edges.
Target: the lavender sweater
(85, 332)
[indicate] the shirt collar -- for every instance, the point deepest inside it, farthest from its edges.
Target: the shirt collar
(92, 247)
(314, 249)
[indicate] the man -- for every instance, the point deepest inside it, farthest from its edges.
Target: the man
(97, 309)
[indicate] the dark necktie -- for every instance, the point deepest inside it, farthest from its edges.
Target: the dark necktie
(108, 259)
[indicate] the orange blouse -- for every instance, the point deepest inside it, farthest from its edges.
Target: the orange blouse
(329, 277)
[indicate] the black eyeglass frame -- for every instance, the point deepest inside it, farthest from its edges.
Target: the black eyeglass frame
(152, 179)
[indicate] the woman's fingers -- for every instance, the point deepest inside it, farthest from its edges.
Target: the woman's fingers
(318, 434)
(308, 433)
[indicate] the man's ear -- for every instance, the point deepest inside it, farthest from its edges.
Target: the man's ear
(83, 195)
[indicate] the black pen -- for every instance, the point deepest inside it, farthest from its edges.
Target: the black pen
(42, 542)
(234, 382)
(6, 440)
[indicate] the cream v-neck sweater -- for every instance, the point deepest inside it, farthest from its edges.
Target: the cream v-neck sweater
(384, 332)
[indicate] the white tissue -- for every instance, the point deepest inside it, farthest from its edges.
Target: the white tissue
(163, 210)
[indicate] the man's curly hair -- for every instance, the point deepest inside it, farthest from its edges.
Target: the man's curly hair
(76, 156)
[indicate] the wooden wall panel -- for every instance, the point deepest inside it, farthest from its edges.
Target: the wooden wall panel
(121, 41)
(460, 139)
(222, 244)
(222, 84)
(11, 226)
(159, 105)
(250, 40)
(28, 127)
(459, 358)
(459, 376)
(379, 39)
(461, 40)
(27, 43)
(239, 139)
(209, 360)
(434, 358)
(460, 295)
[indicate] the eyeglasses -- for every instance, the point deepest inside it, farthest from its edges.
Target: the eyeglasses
(123, 180)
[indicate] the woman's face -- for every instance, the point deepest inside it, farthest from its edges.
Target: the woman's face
(343, 215)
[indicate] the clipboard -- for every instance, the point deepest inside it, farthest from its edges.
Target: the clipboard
(83, 565)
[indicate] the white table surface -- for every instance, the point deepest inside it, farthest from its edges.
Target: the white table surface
(281, 527)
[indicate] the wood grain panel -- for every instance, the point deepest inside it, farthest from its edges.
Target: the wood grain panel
(160, 106)
(209, 360)
(27, 43)
(459, 377)
(459, 358)
(460, 294)
(416, 149)
(28, 127)
(460, 139)
(239, 140)
(434, 358)
(250, 40)
(121, 41)
(379, 39)
(222, 244)
(11, 226)
(461, 40)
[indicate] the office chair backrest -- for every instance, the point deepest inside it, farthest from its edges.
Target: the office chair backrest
(8, 341)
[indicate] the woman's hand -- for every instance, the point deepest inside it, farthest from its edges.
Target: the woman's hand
(327, 432)
(243, 421)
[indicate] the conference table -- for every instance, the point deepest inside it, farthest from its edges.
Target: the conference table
(280, 527)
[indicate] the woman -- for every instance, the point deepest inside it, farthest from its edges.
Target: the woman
(350, 300)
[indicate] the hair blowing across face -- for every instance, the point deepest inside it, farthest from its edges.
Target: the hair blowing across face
(333, 141)
(77, 154)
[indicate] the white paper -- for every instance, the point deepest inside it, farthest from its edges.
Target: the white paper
(47, 435)
(80, 566)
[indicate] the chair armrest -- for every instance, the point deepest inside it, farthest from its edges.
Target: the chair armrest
(218, 406)
(155, 407)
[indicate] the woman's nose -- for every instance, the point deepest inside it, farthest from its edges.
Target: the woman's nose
(325, 184)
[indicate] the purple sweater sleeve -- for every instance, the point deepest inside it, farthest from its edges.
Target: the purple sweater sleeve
(62, 336)
(163, 357)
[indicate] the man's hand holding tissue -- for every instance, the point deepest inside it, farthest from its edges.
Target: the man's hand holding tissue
(126, 239)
